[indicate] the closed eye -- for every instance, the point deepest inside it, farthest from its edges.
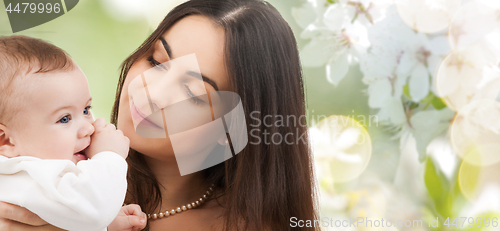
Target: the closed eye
(193, 98)
(155, 63)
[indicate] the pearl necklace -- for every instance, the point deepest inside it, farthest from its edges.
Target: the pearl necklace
(184, 207)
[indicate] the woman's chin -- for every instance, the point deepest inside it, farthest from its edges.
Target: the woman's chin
(160, 149)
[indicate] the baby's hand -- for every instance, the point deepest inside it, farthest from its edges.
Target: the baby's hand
(107, 138)
(130, 218)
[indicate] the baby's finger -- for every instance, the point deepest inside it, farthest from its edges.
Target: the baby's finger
(99, 123)
(136, 222)
(132, 209)
(145, 218)
(111, 126)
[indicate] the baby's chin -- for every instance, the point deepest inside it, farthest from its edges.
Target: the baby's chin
(77, 157)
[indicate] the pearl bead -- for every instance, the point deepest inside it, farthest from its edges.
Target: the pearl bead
(183, 207)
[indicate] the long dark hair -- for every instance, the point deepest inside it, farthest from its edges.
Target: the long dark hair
(265, 185)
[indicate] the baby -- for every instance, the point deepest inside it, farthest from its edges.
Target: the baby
(55, 160)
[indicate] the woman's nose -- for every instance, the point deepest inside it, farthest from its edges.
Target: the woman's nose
(86, 129)
(162, 92)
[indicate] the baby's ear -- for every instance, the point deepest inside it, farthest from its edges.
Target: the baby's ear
(7, 148)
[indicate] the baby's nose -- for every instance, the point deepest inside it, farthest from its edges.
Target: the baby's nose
(87, 129)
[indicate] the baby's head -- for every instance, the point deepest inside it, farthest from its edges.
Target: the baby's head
(44, 101)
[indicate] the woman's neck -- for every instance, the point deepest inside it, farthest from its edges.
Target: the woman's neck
(177, 190)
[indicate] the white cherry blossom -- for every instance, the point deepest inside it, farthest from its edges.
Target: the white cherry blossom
(338, 35)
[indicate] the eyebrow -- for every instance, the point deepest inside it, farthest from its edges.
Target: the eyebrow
(191, 73)
(68, 106)
(61, 108)
(166, 46)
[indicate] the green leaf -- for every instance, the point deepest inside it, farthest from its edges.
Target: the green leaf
(438, 103)
(456, 198)
(411, 105)
(428, 98)
(433, 180)
(406, 91)
(439, 188)
(434, 100)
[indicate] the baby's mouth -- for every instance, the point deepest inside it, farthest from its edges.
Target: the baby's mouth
(81, 155)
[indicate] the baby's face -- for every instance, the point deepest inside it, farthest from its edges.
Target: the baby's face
(55, 121)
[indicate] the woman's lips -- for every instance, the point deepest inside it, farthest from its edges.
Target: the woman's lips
(140, 118)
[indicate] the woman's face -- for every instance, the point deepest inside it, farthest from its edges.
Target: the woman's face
(148, 89)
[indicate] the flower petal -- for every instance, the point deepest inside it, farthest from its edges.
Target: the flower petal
(433, 64)
(304, 15)
(336, 69)
(439, 45)
(419, 83)
(348, 138)
(334, 17)
(348, 158)
(392, 112)
(406, 63)
(379, 92)
(317, 52)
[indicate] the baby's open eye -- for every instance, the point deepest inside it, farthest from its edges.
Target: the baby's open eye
(86, 111)
(65, 119)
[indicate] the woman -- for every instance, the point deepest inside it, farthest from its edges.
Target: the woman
(244, 47)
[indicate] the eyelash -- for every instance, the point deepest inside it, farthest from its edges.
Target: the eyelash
(155, 63)
(69, 116)
(88, 110)
(192, 97)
